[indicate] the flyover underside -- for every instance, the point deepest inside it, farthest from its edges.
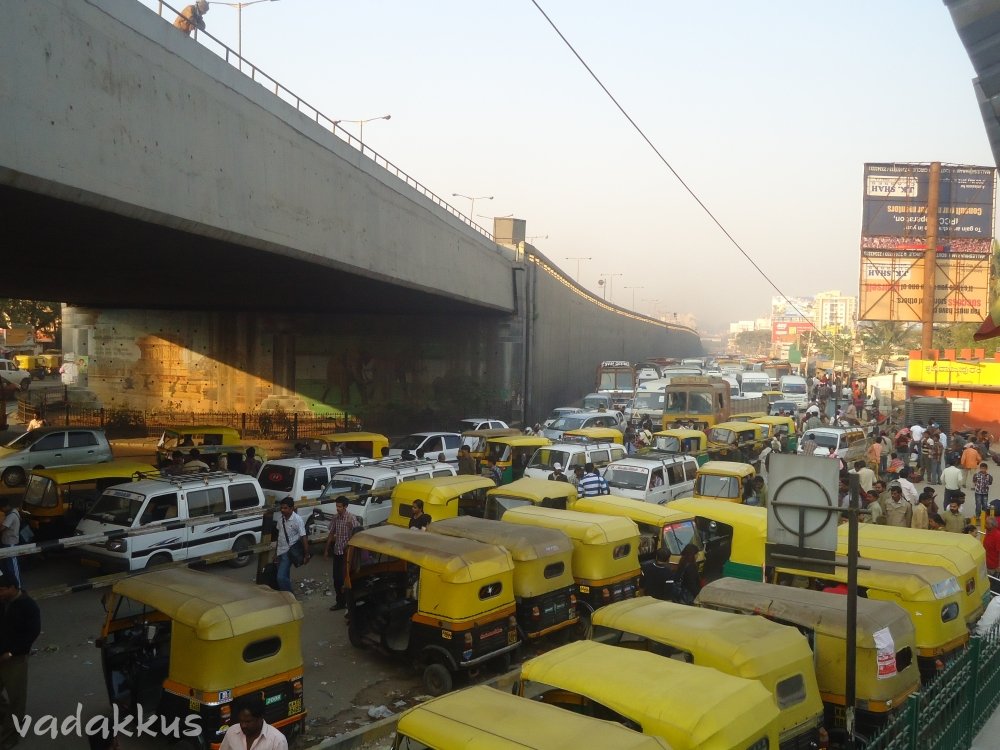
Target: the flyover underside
(71, 252)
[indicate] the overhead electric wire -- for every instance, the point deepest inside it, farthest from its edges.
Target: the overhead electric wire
(674, 172)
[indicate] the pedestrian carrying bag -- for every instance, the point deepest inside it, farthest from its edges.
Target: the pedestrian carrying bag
(295, 552)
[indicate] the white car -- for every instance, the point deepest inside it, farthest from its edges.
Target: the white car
(429, 445)
(14, 375)
(560, 411)
(481, 423)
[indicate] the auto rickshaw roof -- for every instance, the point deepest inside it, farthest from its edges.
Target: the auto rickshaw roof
(455, 560)
(588, 528)
(521, 441)
(523, 542)
(680, 432)
(202, 429)
(751, 646)
(959, 553)
(354, 437)
(913, 581)
(212, 608)
(440, 490)
(637, 510)
(535, 489)
(118, 467)
(492, 432)
(479, 718)
(773, 419)
(687, 704)
(727, 468)
(735, 426)
(816, 610)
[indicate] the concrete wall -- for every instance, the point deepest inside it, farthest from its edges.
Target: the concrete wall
(571, 332)
(106, 104)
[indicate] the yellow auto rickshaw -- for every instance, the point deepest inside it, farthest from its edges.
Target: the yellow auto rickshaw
(691, 707)
(511, 454)
(480, 717)
(543, 492)
(212, 441)
(886, 669)
(723, 480)
(477, 439)
(596, 434)
(773, 396)
(752, 647)
(959, 554)
(444, 497)
(733, 536)
(444, 603)
(680, 440)
(544, 588)
(661, 527)
(605, 554)
(56, 499)
(736, 441)
(784, 428)
(365, 444)
(177, 643)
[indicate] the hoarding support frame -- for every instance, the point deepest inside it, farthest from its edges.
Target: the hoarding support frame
(930, 261)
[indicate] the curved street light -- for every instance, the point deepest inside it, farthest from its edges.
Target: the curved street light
(239, 21)
(361, 124)
(472, 200)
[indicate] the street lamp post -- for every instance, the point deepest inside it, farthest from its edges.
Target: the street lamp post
(610, 283)
(472, 200)
(634, 289)
(239, 21)
(654, 303)
(578, 258)
(361, 126)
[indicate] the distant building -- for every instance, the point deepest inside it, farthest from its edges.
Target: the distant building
(834, 310)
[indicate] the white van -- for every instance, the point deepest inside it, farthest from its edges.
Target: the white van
(648, 401)
(571, 455)
(652, 477)
(368, 488)
(303, 479)
(164, 501)
(794, 388)
(754, 383)
(848, 443)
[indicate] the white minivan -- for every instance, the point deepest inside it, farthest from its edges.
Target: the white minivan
(652, 477)
(794, 388)
(368, 488)
(161, 506)
(571, 455)
(303, 479)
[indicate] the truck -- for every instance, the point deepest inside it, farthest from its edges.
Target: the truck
(699, 402)
(616, 378)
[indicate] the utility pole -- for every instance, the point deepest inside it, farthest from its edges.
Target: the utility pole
(930, 261)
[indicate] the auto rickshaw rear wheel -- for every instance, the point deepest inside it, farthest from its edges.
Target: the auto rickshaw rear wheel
(437, 679)
(354, 635)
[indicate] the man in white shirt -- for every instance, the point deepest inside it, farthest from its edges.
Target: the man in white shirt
(251, 731)
(866, 477)
(291, 533)
(910, 493)
(951, 478)
(917, 431)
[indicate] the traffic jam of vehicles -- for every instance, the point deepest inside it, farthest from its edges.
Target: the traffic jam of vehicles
(612, 556)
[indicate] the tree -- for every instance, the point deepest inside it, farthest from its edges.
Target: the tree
(883, 339)
(835, 344)
(754, 343)
(41, 316)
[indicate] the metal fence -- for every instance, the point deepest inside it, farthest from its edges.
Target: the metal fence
(54, 405)
(949, 712)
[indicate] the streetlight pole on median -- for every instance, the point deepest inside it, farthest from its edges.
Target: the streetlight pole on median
(472, 200)
(634, 289)
(578, 259)
(361, 126)
(610, 284)
(239, 21)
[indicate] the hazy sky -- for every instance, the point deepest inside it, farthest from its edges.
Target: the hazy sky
(768, 110)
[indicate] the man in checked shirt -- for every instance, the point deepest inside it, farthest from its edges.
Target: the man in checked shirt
(342, 527)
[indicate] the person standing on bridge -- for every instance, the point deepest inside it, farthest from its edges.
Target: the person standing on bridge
(192, 17)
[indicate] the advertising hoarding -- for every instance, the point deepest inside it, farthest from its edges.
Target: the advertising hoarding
(894, 228)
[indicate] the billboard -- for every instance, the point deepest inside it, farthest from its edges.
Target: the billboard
(788, 331)
(894, 229)
(895, 202)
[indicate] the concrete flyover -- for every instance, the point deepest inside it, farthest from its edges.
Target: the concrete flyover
(221, 246)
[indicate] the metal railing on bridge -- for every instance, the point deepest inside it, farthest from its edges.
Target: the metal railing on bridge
(257, 75)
